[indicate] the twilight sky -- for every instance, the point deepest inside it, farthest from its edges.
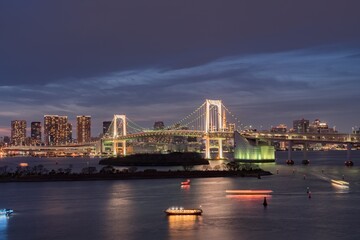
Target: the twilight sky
(269, 61)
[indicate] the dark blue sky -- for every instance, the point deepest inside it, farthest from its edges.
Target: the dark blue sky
(269, 61)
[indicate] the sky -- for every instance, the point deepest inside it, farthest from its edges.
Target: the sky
(270, 62)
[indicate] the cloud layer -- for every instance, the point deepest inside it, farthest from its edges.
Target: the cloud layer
(158, 60)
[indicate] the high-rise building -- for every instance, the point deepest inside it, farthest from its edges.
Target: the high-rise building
(106, 126)
(83, 129)
(18, 132)
(56, 130)
(301, 126)
(69, 133)
(35, 133)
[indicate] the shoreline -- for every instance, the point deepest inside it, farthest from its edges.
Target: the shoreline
(133, 176)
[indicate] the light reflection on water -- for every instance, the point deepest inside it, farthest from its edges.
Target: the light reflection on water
(3, 225)
(134, 209)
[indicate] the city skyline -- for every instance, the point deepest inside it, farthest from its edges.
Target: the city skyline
(160, 61)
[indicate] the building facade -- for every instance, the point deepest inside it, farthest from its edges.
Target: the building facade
(18, 132)
(35, 133)
(56, 130)
(83, 129)
(301, 126)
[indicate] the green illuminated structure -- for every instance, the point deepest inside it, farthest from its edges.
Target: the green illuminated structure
(247, 150)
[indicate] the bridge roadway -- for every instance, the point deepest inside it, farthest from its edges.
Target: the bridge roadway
(180, 133)
(294, 137)
(67, 147)
(305, 137)
(291, 137)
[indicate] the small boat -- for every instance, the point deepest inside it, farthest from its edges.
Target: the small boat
(183, 211)
(305, 162)
(187, 182)
(6, 211)
(349, 163)
(290, 162)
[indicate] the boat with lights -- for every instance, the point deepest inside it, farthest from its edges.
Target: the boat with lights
(6, 211)
(249, 192)
(339, 183)
(185, 183)
(183, 211)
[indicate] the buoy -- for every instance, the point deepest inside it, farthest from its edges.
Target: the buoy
(309, 194)
(265, 202)
(277, 171)
(343, 177)
(307, 190)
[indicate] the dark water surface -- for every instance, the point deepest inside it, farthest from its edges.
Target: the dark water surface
(133, 209)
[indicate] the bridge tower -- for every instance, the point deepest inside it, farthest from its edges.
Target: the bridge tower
(213, 123)
(116, 118)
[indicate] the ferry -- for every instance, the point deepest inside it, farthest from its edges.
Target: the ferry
(183, 211)
(6, 211)
(187, 182)
(249, 192)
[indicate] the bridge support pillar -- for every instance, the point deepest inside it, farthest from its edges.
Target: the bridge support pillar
(305, 150)
(348, 149)
(221, 156)
(207, 147)
(123, 147)
(290, 144)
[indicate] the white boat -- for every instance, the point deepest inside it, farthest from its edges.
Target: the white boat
(183, 211)
(6, 211)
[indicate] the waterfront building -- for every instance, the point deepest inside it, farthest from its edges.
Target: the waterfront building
(106, 126)
(56, 130)
(301, 126)
(18, 132)
(35, 133)
(83, 129)
(281, 128)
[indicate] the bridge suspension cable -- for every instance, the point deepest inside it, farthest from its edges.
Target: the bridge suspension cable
(185, 118)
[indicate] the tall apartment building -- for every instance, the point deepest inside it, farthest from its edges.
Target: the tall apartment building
(18, 132)
(35, 133)
(83, 129)
(56, 130)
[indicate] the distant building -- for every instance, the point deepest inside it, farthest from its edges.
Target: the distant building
(18, 132)
(106, 127)
(159, 125)
(281, 128)
(320, 127)
(83, 129)
(231, 127)
(56, 130)
(35, 133)
(301, 126)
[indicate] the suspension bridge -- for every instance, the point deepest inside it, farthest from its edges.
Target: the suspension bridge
(208, 122)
